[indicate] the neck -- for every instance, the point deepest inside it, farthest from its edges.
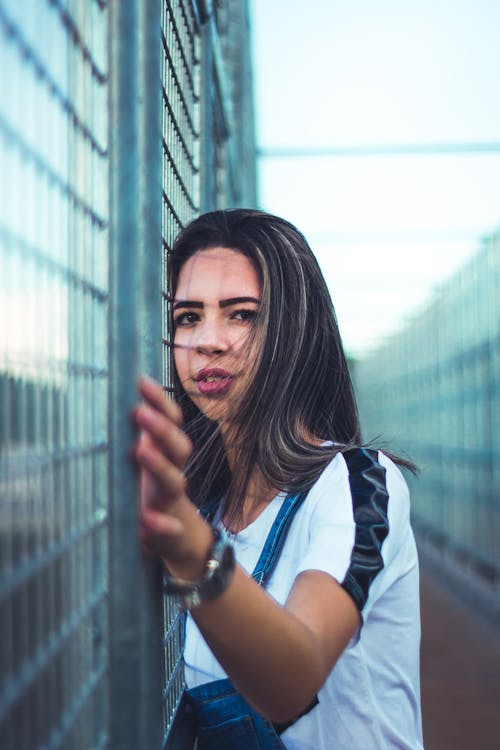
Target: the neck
(258, 493)
(253, 506)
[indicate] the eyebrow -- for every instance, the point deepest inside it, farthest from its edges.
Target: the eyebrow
(223, 303)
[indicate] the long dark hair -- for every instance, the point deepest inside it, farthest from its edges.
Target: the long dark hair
(301, 393)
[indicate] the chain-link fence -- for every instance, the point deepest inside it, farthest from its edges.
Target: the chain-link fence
(107, 148)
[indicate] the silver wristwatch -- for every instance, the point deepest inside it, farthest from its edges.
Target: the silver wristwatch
(216, 577)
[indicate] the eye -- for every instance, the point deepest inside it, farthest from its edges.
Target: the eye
(245, 316)
(186, 319)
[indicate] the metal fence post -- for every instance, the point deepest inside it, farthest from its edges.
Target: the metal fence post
(135, 336)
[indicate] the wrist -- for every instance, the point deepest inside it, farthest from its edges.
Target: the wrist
(216, 575)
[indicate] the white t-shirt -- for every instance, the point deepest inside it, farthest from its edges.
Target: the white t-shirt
(371, 699)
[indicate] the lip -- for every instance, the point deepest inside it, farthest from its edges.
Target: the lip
(219, 386)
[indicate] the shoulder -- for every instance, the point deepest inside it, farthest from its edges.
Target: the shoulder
(361, 479)
(358, 512)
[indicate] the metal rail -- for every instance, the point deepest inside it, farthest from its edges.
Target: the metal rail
(408, 149)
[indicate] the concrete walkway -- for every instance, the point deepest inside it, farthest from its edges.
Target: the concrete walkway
(460, 672)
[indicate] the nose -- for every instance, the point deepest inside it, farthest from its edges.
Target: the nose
(211, 337)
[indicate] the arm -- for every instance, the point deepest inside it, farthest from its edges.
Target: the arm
(277, 656)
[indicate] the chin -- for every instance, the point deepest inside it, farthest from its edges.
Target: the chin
(213, 411)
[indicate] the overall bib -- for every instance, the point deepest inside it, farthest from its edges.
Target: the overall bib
(223, 718)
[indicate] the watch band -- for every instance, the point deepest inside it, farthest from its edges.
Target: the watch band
(216, 577)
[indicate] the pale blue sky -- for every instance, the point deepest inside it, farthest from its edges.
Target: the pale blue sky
(386, 229)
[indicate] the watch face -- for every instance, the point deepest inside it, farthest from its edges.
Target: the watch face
(215, 580)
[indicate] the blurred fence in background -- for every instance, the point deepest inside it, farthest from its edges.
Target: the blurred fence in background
(119, 122)
(433, 392)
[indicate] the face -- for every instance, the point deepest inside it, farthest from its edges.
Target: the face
(216, 303)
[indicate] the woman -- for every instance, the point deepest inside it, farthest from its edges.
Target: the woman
(319, 648)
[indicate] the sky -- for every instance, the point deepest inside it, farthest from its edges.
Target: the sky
(387, 229)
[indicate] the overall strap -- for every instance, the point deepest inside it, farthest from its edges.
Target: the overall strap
(210, 508)
(276, 537)
(267, 562)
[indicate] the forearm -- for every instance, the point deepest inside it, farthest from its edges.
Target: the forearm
(271, 656)
(276, 658)
(267, 651)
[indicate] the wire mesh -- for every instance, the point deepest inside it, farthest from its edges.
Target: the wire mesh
(53, 374)
(180, 88)
(434, 390)
(201, 171)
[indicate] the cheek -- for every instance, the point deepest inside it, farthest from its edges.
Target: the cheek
(243, 342)
(249, 347)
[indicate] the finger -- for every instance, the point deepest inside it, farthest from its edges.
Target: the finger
(167, 474)
(165, 433)
(155, 525)
(159, 533)
(152, 392)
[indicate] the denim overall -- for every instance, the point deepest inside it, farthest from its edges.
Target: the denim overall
(223, 718)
